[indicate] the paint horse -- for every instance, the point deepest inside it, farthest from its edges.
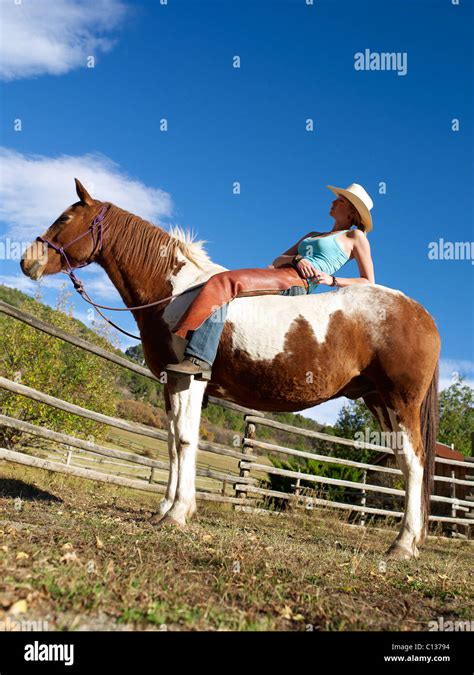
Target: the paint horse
(362, 341)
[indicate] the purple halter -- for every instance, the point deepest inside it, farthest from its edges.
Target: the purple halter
(95, 230)
(97, 224)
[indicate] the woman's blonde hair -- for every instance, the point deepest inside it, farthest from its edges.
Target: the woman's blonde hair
(355, 215)
(356, 220)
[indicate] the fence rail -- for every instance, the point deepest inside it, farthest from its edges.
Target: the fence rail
(54, 331)
(253, 457)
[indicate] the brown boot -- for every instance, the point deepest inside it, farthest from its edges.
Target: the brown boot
(191, 366)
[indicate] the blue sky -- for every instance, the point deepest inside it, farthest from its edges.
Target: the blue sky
(248, 125)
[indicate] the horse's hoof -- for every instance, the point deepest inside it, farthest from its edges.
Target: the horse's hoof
(166, 521)
(398, 552)
(156, 518)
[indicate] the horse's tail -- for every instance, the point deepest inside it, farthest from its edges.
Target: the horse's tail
(429, 430)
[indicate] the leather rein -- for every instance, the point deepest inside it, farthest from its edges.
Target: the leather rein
(96, 229)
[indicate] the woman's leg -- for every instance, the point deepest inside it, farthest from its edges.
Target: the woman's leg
(222, 287)
(204, 341)
(204, 323)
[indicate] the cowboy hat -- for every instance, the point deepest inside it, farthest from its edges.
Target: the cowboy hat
(359, 198)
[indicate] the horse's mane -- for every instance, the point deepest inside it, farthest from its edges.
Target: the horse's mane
(139, 238)
(192, 249)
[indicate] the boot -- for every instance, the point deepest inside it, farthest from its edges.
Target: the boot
(191, 366)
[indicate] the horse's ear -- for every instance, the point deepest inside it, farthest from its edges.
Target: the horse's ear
(82, 193)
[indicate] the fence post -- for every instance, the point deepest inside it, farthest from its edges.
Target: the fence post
(247, 449)
(453, 496)
(152, 475)
(297, 492)
(69, 455)
(363, 500)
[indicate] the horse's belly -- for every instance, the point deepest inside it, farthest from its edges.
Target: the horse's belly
(277, 356)
(266, 326)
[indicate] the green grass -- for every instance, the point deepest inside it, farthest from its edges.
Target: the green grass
(91, 560)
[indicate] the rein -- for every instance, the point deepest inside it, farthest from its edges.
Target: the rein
(96, 231)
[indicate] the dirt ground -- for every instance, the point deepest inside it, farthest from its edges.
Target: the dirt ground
(79, 555)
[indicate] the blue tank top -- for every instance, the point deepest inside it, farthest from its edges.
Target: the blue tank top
(323, 253)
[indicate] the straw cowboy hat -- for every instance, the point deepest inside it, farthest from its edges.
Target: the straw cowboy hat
(359, 198)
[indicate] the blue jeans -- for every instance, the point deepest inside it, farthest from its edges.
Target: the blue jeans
(204, 341)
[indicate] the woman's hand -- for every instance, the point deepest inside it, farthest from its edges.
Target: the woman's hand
(324, 278)
(307, 270)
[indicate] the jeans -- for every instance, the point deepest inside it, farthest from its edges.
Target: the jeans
(204, 341)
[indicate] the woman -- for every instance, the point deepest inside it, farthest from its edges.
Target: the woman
(313, 260)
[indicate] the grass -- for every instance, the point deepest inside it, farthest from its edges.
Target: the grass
(83, 555)
(152, 448)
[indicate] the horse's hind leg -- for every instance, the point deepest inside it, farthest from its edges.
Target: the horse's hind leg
(409, 452)
(168, 499)
(406, 442)
(186, 396)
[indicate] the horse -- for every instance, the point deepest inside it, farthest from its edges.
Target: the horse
(276, 353)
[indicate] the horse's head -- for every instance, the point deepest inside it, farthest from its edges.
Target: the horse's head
(73, 240)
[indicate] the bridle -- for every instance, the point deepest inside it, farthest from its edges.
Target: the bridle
(95, 230)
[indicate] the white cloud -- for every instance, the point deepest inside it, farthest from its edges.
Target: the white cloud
(23, 283)
(18, 281)
(35, 189)
(100, 289)
(53, 37)
(98, 285)
(451, 369)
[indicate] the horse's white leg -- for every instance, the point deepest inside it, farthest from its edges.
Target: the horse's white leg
(168, 499)
(186, 396)
(166, 503)
(411, 531)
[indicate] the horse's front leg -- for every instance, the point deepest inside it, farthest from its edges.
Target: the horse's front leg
(186, 396)
(167, 502)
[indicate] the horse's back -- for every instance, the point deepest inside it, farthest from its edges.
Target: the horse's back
(261, 323)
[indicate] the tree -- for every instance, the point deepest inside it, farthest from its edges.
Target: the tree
(456, 416)
(355, 419)
(136, 354)
(38, 360)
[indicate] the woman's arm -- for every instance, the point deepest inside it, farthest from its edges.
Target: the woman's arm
(282, 260)
(363, 256)
(286, 257)
(365, 264)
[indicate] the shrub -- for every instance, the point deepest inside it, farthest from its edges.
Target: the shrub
(142, 413)
(38, 360)
(314, 467)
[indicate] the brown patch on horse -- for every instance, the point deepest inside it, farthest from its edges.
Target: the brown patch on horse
(298, 377)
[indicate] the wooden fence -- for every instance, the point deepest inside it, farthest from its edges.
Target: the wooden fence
(239, 476)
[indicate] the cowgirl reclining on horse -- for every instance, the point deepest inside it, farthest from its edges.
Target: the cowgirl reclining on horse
(341, 338)
(313, 260)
